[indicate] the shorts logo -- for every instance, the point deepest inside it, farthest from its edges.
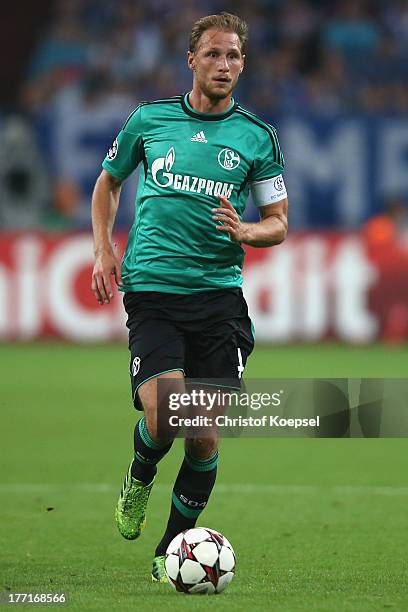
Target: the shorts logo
(136, 365)
(113, 151)
(240, 363)
(278, 183)
(229, 159)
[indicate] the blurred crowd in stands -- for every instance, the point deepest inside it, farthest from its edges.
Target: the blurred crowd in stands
(94, 61)
(302, 54)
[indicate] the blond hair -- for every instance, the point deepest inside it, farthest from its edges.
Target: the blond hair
(223, 21)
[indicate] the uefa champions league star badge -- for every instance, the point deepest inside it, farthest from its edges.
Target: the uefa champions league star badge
(113, 151)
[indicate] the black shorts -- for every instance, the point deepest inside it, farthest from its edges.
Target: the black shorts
(206, 335)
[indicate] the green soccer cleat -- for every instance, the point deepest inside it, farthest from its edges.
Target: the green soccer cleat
(130, 512)
(158, 571)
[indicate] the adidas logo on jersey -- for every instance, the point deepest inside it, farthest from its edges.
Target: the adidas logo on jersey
(199, 137)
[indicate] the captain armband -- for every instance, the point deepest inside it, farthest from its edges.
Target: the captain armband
(269, 191)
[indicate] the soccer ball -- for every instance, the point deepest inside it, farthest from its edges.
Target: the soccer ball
(200, 560)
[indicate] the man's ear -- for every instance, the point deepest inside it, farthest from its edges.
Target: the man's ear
(191, 60)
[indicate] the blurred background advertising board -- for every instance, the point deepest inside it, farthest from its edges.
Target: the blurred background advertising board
(318, 285)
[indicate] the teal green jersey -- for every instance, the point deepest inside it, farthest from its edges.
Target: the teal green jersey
(187, 160)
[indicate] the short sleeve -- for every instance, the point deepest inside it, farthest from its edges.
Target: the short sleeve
(268, 160)
(126, 151)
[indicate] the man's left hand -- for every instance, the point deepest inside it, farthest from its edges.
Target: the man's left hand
(232, 224)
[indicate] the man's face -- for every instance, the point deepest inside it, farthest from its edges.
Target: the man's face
(217, 63)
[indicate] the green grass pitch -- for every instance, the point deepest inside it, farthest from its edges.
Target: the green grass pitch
(317, 524)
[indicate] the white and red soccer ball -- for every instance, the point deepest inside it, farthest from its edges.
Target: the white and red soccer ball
(200, 560)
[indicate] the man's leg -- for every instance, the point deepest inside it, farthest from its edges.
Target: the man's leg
(149, 447)
(149, 450)
(192, 488)
(215, 348)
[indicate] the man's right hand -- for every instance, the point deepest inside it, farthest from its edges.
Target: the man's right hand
(106, 264)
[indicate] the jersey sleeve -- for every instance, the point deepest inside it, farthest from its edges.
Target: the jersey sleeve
(126, 151)
(266, 180)
(268, 161)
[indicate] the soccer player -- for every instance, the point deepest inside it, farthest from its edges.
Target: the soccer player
(200, 154)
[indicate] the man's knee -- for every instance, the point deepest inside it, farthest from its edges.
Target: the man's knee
(201, 448)
(151, 399)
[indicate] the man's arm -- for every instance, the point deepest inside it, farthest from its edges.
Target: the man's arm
(270, 230)
(105, 202)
